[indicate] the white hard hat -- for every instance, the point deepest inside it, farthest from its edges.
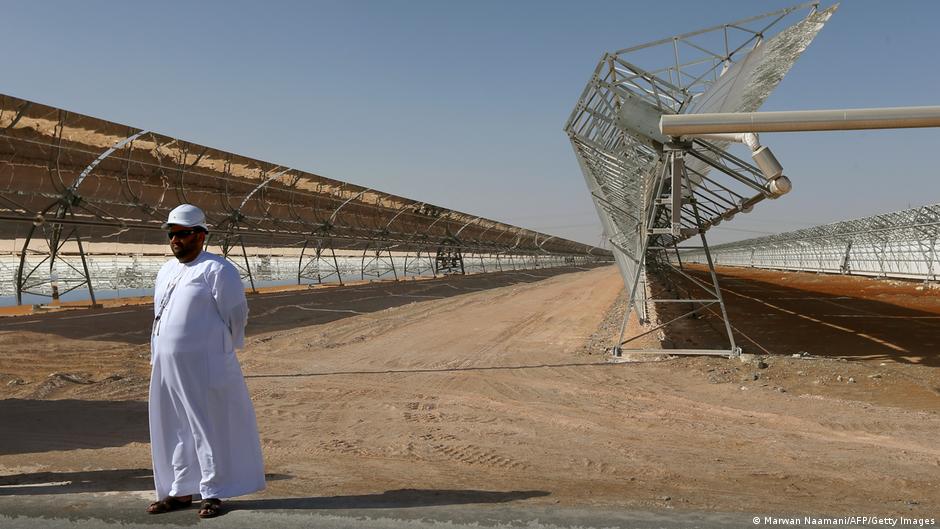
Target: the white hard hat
(186, 215)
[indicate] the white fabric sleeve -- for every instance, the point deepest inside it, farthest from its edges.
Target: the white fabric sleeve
(229, 294)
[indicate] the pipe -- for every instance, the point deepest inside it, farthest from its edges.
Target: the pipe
(765, 159)
(800, 120)
(748, 138)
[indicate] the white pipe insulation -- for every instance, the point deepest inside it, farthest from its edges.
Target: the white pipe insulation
(800, 120)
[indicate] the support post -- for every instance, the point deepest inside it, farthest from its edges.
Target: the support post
(662, 198)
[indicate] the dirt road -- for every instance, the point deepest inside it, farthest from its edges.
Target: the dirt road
(496, 390)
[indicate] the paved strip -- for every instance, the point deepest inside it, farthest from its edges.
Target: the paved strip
(404, 509)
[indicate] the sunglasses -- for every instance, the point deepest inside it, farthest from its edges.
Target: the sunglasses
(181, 233)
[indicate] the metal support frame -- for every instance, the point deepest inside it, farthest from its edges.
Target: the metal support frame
(669, 186)
(233, 239)
(499, 264)
(319, 263)
(469, 258)
(377, 261)
(56, 234)
(902, 244)
(419, 264)
(230, 225)
(449, 259)
(652, 191)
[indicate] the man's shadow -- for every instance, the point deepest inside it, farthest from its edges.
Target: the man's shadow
(35, 425)
(390, 499)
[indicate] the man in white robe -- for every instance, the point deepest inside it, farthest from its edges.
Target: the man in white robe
(203, 432)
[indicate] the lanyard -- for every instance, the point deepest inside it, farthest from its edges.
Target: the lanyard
(165, 300)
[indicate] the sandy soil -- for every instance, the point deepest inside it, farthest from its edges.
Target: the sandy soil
(504, 388)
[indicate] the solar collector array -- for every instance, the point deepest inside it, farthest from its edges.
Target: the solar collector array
(127, 193)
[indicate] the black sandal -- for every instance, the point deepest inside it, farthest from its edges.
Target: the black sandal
(170, 503)
(210, 508)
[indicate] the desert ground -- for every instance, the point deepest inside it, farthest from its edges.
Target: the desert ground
(498, 385)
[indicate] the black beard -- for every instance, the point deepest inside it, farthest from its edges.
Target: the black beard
(186, 252)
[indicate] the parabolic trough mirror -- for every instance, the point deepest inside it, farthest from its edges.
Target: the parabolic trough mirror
(652, 131)
(82, 200)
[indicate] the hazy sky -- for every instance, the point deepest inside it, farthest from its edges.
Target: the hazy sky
(462, 104)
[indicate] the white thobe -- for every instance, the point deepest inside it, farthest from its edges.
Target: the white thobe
(203, 432)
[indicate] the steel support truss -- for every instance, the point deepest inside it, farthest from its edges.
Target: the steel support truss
(448, 259)
(377, 261)
(55, 232)
(319, 265)
(663, 235)
(645, 204)
(902, 244)
(420, 264)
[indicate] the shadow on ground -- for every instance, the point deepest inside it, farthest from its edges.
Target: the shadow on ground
(774, 318)
(390, 499)
(141, 479)
(45, 425)
(111, 480)
(38, 483)
(270, 312)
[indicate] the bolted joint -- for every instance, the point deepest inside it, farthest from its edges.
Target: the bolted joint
(70, 198)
